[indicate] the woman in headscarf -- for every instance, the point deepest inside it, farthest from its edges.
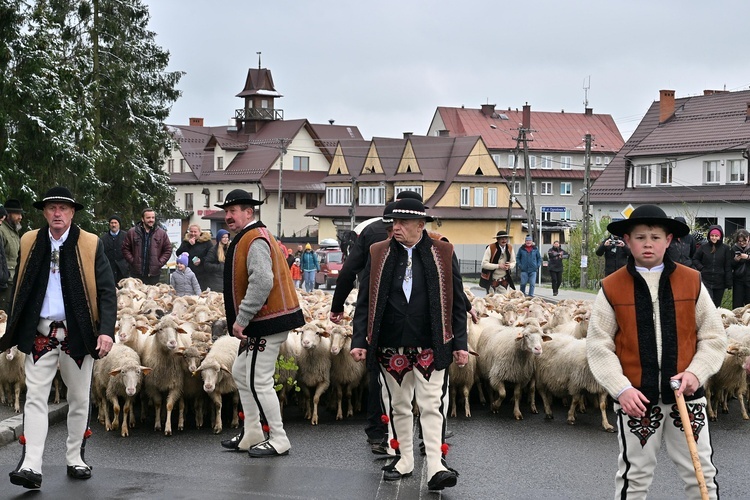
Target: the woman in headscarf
(714, 261)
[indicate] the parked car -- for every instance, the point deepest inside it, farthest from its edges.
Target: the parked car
(331, 260)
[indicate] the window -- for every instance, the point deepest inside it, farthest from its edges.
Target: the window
(182, 165)
(170, 165)
(338, 196)
(643, 173)
(533, 188)
(566, 162)
(547, 188)
(264, 104)
(511, 161)
(207, 198)
(371, 196)
(290, 201)
(496, 159)
(311, 201)
(735, 171)
(532, 161)
(219, 163)
(301, 164)
(492, 197)
(711, 172)
(400, 189)
(546, 162)
(188, 201)
(606, 160)
(568, 215)
(665, 173)
(598, 160)
(478, 197)
(566, 188)
(517, 187)
(220, 195)
(465, 192)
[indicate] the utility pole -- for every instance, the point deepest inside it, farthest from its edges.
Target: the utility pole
(282, 152)
(585, 220)
(352, 217)
(512, 196)
(530, 210)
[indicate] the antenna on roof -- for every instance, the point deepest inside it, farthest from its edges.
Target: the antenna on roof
(586, 92)
(258, 59)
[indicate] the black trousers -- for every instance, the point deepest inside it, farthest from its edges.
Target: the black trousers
(376, 430)
(556, 280)
(740, 294)
(717, 294)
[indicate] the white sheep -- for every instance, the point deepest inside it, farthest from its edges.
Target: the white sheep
(192, 385)
(118, 375)
(216, 372)
(464, 378)
(345, 372)
(161, 354)
(12, 377)
(285, 375)
(314, 366)
(508, 357)
(730, 380)
(562, 370)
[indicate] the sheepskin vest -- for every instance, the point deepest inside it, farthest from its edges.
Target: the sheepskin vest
(282, 311)
(436, 258)
(635, 339)
(78, 275)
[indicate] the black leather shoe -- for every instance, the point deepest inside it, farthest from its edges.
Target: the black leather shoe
(79, 471)
(26, 478)
(264, 450)
(394, 475)
(443, 479)
(379, 449)
(233, 443)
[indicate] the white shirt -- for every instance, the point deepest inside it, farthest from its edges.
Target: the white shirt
(406, 285)
(53, 307)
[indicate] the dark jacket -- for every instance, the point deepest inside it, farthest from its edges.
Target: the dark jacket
(714, 262)
(159, 250)
(309, 261)
(31, 286)
(355, 262)
(682, 250)
(199, 249)
(614, 256)
(113, 251)
(213, 269)
(4, 272)
(741, 268)
(556, 256)
(528, 261)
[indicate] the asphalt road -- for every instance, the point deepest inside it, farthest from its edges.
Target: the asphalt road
(497, 457)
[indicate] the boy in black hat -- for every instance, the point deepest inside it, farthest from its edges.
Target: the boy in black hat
(653, 321)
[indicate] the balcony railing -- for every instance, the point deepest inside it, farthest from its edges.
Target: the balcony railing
(259, 114)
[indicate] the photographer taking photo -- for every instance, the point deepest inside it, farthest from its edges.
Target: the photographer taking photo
(615, 253)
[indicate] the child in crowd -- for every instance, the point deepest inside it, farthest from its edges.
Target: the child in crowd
(654, 321)
(296, 274)
(183, 280)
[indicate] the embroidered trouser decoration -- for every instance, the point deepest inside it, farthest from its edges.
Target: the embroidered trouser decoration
(399, 364)
(640, 440)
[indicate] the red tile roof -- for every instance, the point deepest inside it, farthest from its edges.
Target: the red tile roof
(560, 132)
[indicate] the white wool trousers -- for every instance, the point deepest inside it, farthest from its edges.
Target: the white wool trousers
(253, 373)
(640, 440)
(39, 377)
(432, 399)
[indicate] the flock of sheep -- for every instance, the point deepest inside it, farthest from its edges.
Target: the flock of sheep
(174, 353)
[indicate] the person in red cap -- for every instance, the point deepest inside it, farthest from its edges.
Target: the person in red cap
(63, 315)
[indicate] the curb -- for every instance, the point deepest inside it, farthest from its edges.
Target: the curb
(12, 428)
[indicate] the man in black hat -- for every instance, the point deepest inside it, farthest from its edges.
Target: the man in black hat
(112, 241)
(497, 263)
(653, 322)
(63, 315)
(261, 307)
(402, 332)
(4, 272)
(147, 248)
(10, 237)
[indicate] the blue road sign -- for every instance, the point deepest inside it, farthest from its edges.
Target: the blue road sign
(553, 209)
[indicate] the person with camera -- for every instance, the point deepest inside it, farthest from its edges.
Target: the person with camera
(497, 263)
(740, 271)
(714, 261)
(555, 257)
(615, 253)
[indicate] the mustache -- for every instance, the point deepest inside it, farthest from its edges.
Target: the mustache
(229, 220)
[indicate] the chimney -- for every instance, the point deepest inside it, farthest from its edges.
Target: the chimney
(407, 134)
(712, 92)
(444, 133)
(589, 112)
(488, 109)
(526, 123)
(666, 105)
(196, 122)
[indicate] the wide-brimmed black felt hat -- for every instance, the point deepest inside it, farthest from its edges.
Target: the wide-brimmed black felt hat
(502, 234)
(13, 205)
(57, 194)
(238, 197)
(388, 213)
(649, 215)
(409, 208)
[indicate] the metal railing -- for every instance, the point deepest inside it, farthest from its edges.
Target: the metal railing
(258, 114)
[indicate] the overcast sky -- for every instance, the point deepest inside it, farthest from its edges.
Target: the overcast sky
(386, 65)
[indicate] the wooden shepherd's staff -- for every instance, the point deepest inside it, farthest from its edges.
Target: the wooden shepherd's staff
(687, 427)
